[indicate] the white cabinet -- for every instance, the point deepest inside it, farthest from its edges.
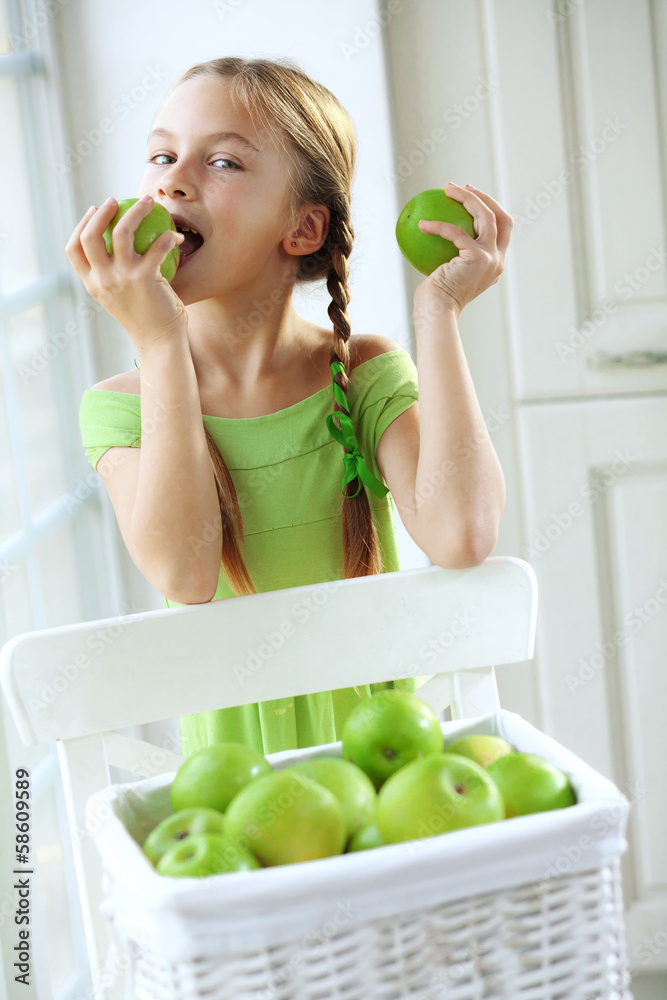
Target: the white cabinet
(596, 524)
(571, 346)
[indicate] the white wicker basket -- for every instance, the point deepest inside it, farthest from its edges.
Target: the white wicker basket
(526, 909)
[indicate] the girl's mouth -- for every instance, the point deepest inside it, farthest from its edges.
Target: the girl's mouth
(191, 244)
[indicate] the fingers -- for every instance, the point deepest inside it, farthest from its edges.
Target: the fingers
(504, 221)
(73, 248)
(123, 238)
(92, 236)
(448, 231)
(87, 250)
(485, 220)
(161, 246)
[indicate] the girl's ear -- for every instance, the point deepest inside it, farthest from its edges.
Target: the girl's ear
(311, 233)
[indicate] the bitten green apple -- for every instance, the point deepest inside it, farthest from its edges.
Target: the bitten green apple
(215, 774)
(386, 731)
(205, 854)
(436, 794)
(181, 825)
(351, 786)
(156, 222)
(480, 747)
(530, 784)
(285, 817)
(426, 251)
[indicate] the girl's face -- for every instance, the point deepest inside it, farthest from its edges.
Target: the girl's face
(230, 188)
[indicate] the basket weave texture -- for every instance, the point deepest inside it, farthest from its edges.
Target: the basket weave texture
(525, 909)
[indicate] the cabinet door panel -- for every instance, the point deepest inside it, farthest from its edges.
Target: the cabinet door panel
(596, 524)
(582, 150)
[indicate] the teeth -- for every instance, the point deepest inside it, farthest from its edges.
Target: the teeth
(186, 229)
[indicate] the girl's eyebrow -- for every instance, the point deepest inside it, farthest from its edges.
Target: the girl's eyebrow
(163, 133)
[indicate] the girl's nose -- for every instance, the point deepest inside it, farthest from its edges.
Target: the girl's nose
(175, 181)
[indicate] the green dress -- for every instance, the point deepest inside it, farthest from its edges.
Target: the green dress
(288, 471)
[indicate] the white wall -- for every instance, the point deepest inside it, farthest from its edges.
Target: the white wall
(120, 58)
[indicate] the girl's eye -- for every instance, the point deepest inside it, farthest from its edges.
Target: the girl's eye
(154, 159)
(221, 159)
(160, 160)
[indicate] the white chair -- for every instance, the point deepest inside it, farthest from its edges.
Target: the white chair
(454, 625)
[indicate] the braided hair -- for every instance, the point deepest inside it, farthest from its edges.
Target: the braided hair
(360, 545)
(317, 136)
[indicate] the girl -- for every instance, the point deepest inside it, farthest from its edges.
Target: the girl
(220, 451)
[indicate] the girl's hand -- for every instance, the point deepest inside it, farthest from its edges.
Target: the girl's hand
(480, 261)
(129, 285)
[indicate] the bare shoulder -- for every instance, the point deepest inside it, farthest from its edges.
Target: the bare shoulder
(364, 346)
(123, 382)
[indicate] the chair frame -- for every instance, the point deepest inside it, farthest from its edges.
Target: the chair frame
(78, 684)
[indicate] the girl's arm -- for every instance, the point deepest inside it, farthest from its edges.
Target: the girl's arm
(163, 493)
(437, 458)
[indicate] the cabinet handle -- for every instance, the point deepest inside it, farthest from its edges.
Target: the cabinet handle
(633, 359)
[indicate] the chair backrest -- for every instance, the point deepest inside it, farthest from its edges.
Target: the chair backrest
(77, 684)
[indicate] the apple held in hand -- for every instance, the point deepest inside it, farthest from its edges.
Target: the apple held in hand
(215, 774)
(436, 794)
(426, 251)
(480, 747)
(205, 854)
(386, 731)
(530, 784)
(177, 828)
(353, 789)
(156, 222)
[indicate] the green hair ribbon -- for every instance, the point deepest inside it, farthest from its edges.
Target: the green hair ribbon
(355, 467)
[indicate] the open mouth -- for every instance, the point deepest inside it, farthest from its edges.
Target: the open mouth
(191, 244)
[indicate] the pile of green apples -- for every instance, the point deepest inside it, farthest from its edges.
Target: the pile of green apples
(397, 780)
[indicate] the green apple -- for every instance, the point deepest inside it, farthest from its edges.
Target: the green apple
(176, 828)
(480, 747)
(426, 251)
(365, 839)
(205, 854)
(156, 222)
(387, 730)
(436, 794)
(530, 784)
(285, 817)
(213, 775)
(351, 786)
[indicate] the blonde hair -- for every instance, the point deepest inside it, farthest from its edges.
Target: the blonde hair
(317, 136)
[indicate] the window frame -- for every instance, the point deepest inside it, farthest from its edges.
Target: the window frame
(95, 535)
